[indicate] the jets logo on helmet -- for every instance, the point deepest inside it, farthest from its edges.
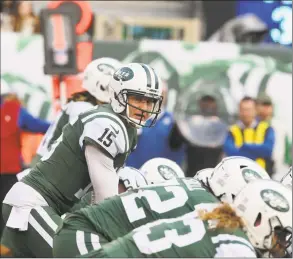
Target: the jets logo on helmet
(166, 172)
(107, 69)
(275, 200)
(249, 175)
(97, 76)
(123, 74)
(130, 87)
(159, 169)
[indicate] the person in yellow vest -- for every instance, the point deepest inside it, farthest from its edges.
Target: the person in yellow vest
(250, 137)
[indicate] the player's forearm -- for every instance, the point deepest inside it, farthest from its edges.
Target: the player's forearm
(102, 173)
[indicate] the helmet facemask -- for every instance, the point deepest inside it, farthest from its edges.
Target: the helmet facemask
(287, 179)
(131, 178)
(279, 241)
(144, 118)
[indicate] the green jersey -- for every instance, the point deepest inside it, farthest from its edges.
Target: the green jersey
(67, 114)
(62, 176)
(118, 215)
(183, 237)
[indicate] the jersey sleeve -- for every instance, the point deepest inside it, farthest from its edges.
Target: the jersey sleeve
(107, 134)
(234, 250)
(228, 245)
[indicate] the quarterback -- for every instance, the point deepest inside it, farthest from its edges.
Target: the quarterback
(95, 83)
(89, 151)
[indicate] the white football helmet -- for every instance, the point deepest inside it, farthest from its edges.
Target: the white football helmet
(204, 175)
(287, 179)
(158, 170)
(138, 80)
(131, 178)
(266, 209)
(232, 174)
(97, 76)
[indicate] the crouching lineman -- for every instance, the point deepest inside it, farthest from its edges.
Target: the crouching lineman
(227, 179)
(159, 168)
(129, 178)
(171, 198)
(260, 218)
(89, 151)
(96, 225)
(155, 170)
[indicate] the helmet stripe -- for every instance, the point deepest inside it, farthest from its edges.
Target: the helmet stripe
(156, 80)
(148, 74)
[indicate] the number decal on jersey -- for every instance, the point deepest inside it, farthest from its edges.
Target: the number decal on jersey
(147, 241)
(107, 137)
(135, 213)
(49, 153)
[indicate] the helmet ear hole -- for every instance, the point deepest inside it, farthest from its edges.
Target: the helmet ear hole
(257, 221)
(243, 166)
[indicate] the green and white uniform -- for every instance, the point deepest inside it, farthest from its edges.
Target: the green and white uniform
(118, 215)
(183, 237)
(61, 178)
(67, 114)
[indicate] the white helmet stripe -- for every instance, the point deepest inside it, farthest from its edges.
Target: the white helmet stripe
(156, 80)
(148, 74)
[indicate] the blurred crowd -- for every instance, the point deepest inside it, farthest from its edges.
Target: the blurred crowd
(196, 138)
(19, 16)
(252, 136)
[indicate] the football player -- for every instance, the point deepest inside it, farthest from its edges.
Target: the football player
(230, 176)
(287, 179)
(96, 225)
(154, 171)
(95, 83)
(129, 178)
(89, 151)
(260, 217)
(161, 168)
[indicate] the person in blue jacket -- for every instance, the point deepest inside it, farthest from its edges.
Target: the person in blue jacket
(153, 142)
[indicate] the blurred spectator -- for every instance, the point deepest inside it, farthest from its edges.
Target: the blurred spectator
(14, 120)
(265, 108)
(265, 112)
(197, 157)
(25, 20)
(251, 138)
(153, 142)
(8, 8)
